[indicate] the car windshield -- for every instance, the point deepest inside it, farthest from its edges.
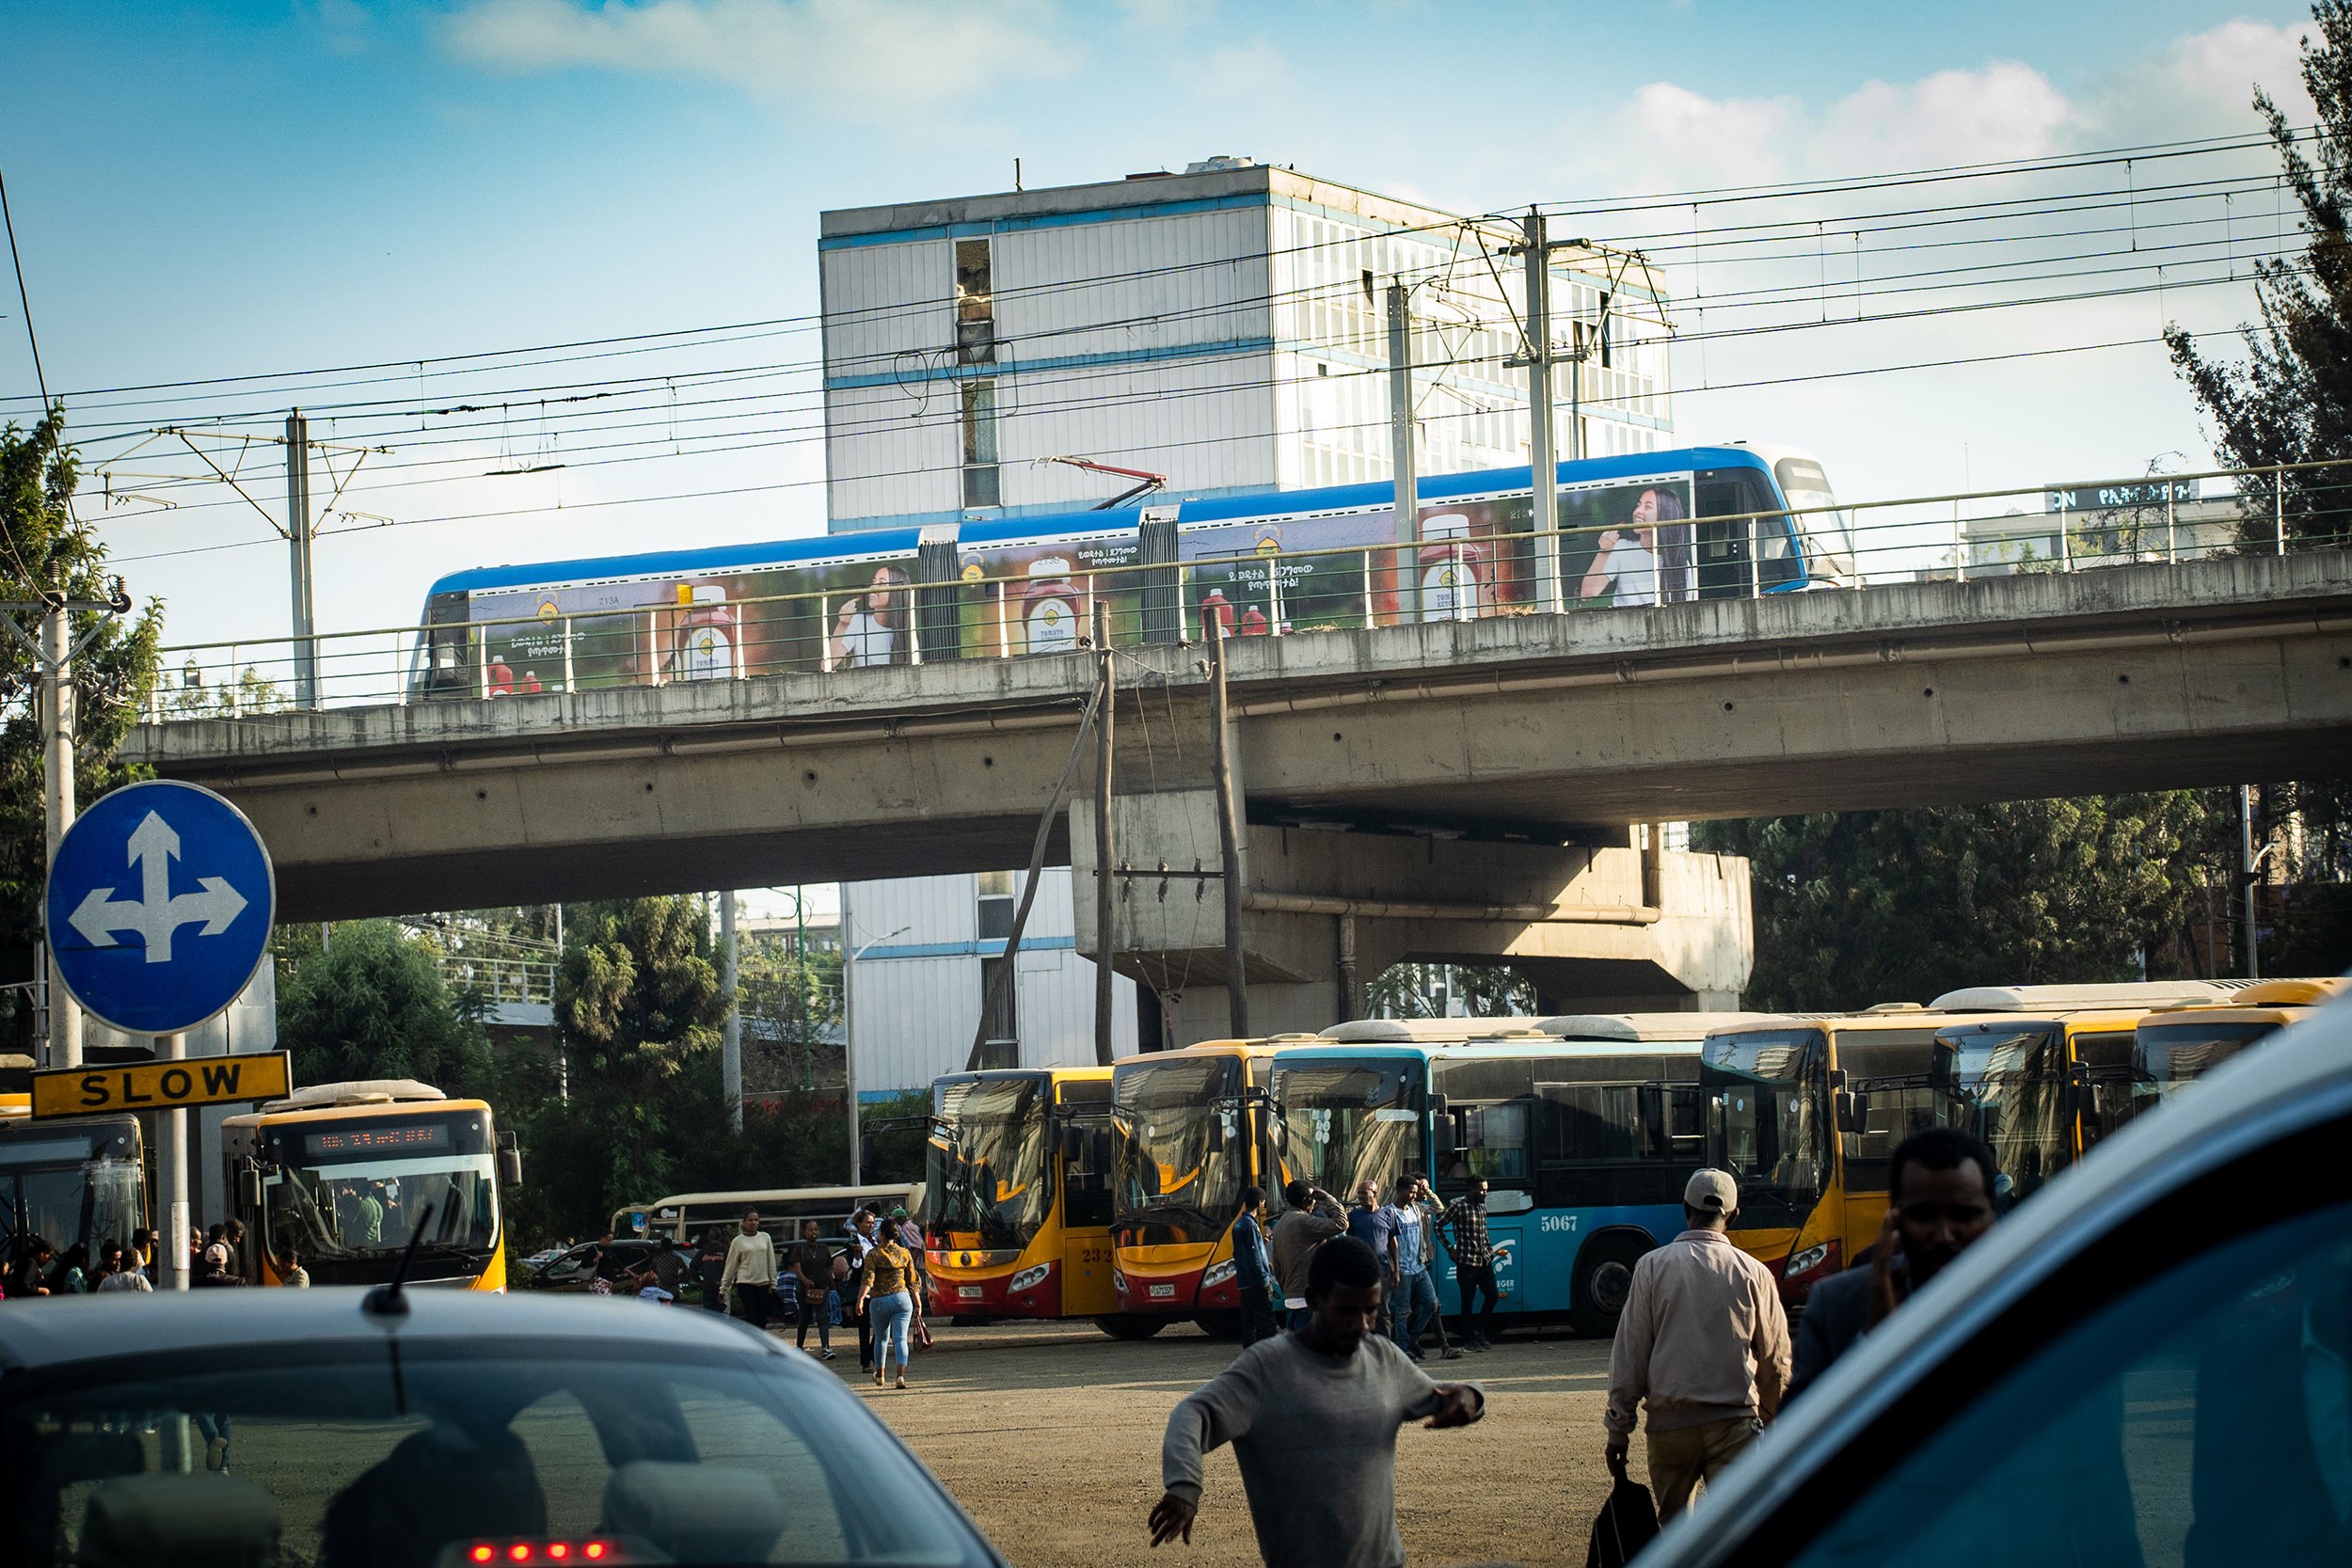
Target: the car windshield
(990, 1181)
(443, 1456)
(1347, 1122)
(347, 1195)
(2008, 1087)
(1765, 1119)
(1182, 1148)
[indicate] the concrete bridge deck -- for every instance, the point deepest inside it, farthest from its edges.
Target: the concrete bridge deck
(1551, 728)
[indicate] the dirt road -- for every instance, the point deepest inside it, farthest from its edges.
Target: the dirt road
(1050, 1435)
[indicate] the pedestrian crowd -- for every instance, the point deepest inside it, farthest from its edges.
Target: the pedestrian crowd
(213, 1259)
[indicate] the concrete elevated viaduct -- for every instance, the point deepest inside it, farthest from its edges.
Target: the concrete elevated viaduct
(1466, 787)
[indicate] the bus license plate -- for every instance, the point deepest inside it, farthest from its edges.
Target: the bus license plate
(969, 1292)
(1158, 1290)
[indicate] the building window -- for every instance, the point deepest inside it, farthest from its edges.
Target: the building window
(995, 900)
(1000, 1036)
(977, 422)
(976, 304)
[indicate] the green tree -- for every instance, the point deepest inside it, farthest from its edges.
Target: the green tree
(373, 1005)
(1858, 908)
(45, 552)
(2289, 401)
(637, 1007)
(791, 1004)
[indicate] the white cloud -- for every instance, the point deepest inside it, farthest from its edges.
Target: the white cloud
(1245, 70)
(2004, 110)
(2201, 85)
(869, 59)
(1673, 137)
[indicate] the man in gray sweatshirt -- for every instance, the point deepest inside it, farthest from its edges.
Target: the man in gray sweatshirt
(1312, 1416)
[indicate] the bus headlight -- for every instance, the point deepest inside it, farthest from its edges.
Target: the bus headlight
(1118, 1282)
(1218, 1273)
(1807, 1261)
(1030, 1278)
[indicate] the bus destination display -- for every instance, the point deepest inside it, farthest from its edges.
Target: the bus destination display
(424, 1137)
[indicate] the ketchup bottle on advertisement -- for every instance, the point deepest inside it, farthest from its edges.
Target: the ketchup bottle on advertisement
(1049, 607)
(1216, 604)
(1453, 570)
(1253, 622)
(706, 636)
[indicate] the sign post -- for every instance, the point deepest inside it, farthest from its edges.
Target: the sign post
(159, 901)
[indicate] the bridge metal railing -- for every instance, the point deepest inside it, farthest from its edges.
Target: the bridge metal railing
(1457, 573)
(519, 982)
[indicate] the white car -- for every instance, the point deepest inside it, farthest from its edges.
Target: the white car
(2149, 1366)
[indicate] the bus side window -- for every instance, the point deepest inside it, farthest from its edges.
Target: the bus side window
(1494, 1141)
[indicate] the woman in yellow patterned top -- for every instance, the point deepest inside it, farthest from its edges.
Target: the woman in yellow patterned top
(886, 1281)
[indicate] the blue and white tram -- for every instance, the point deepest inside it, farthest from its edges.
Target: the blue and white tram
(1643, 528)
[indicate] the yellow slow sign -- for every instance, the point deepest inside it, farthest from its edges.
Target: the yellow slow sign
(83, 1091)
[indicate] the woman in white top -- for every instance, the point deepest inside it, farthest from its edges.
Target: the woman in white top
(868, 630)
(1626, 567)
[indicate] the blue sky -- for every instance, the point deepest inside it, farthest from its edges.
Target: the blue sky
(236, 189)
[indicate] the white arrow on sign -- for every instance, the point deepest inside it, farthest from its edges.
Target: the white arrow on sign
(156, 915)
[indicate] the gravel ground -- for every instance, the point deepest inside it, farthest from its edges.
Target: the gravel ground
(1049, 1433)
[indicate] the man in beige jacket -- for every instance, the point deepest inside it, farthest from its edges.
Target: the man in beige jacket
(1704, 1343)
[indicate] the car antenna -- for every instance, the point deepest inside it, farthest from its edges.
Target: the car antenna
(386, 1301)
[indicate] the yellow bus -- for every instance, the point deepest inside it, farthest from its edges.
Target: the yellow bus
(1191, 1128)
(1804, 1110)
(1018, 1184)
(340, 1176)
(80, 1180)
(2178, 1045)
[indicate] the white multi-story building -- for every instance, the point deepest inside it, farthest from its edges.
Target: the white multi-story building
(1223, 327)
(920, 954)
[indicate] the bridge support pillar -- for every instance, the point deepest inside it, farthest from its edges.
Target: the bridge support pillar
(1602, 927)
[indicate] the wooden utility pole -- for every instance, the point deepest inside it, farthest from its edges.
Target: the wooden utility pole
(1228, 832)
(1105, 945)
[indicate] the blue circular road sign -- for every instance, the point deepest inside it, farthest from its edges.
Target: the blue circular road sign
(159, 904)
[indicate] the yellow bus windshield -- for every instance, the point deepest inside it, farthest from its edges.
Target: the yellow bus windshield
(2011, 1085)
(990, 1178)
(1182, 1147)
(2167, 1056)
(1345, 1123)
(354, 1190)
(1767, 1121)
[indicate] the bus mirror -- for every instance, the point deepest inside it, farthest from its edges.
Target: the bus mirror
(511, 1162)
(248, 1185)
(1854, 1112)
(1438, 1109)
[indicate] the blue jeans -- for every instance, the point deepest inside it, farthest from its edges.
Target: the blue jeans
(1416, 1305)
(1299, 1318)
(894, 1315)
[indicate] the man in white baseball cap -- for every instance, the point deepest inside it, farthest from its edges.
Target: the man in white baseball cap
(1703, 1342)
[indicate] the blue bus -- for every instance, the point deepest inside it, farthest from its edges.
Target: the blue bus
(1585, 1130)
(1640, 528)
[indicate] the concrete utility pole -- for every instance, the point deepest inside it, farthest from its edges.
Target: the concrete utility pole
(731, 1032)
(849, 1032)
(56, 709)
(1222, 779)
(171, 1243)
(2248, 862)
(1106, 943)
(298, 534)
(1401, 452)
(1543, 463)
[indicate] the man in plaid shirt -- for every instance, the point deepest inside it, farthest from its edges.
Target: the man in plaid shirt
(1465, 1229)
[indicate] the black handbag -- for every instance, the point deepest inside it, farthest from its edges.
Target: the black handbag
(1627, 1523)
